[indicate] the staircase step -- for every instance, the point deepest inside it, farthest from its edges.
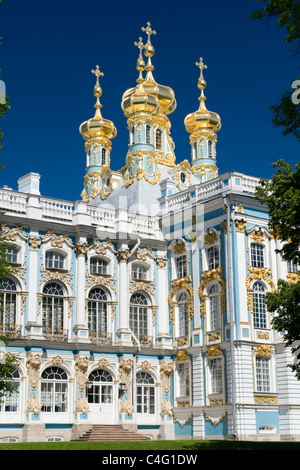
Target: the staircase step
(110, 432)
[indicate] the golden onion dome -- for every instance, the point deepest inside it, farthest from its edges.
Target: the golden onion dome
(202, 118)
(97, 126)
(154, 97)
(136, 100)
(164, 94)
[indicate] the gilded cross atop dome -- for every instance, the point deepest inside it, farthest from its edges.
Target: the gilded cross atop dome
(140, 65)
(201, 66)
(98, 74)
(149, 31)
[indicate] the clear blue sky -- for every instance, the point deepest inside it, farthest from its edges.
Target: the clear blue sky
(49, 48)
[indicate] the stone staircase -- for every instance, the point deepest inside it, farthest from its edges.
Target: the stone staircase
(111, 433)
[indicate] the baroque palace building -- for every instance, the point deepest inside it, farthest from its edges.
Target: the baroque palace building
(143, 304)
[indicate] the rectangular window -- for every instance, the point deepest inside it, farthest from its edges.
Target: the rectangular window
(181, 266)
(263, 382)
(184, 380)
(216, 375)
(98, 266)
(213, 261)
(292, 267)
(12, 255)
(257, 255)
(138, 272)
(54, 260)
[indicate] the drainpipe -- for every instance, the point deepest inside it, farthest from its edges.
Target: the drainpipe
(135, 247)
(230, 308)
(135, 359)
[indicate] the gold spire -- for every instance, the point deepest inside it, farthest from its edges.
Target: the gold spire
(136, 100)
(140, 64)
(149, 49)
(202, 118)
(97, 126)
(97, 91)
(201, 83)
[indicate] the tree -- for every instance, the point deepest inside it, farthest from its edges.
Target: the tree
(8, 362)
(281, 194)
(286, 113)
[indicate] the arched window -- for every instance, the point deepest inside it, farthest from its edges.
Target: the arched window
(54, 260)
(138, 315)
(145, 393)
(257, 255)
(148, 137)
(10, 403)
(53, 309)
(8, 303)
(97, 312)
(210, 148)
(54, 390)
(259, 306)
(103, 156)
(214, 308)
(158, 141)
(98, 265)
(100, 389)
(183, 315)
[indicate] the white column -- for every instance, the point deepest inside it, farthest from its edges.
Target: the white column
(164, 338)
(123, 332)
(33, 330)
(80, 329)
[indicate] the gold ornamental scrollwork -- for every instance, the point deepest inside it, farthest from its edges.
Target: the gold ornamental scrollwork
(161, 262)
(214, 350)
(165, 372)
(33, 364)
(123, 255)
(176, 286)
(81, 367)
(125, 368)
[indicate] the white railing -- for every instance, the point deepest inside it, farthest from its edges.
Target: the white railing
(13, 201)
(102, 217)
(56, 209)
(229, 181)
(143, 224)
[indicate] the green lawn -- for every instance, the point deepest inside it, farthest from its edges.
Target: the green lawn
(154, 445)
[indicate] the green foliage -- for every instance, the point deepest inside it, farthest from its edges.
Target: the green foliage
(282, 197)
(8, 363)
(285, 302)
(281, 194)
(287, 13)
(287, 115)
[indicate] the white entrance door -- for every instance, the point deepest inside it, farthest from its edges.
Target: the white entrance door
(100, 397)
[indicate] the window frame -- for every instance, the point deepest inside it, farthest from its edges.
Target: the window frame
(255, 262)
(54, 387)
(61, 260)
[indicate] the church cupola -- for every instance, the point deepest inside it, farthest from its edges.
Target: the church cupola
(97, 133)
(202, 126)
(146, 106)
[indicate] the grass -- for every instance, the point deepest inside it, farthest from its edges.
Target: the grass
(187, 446)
